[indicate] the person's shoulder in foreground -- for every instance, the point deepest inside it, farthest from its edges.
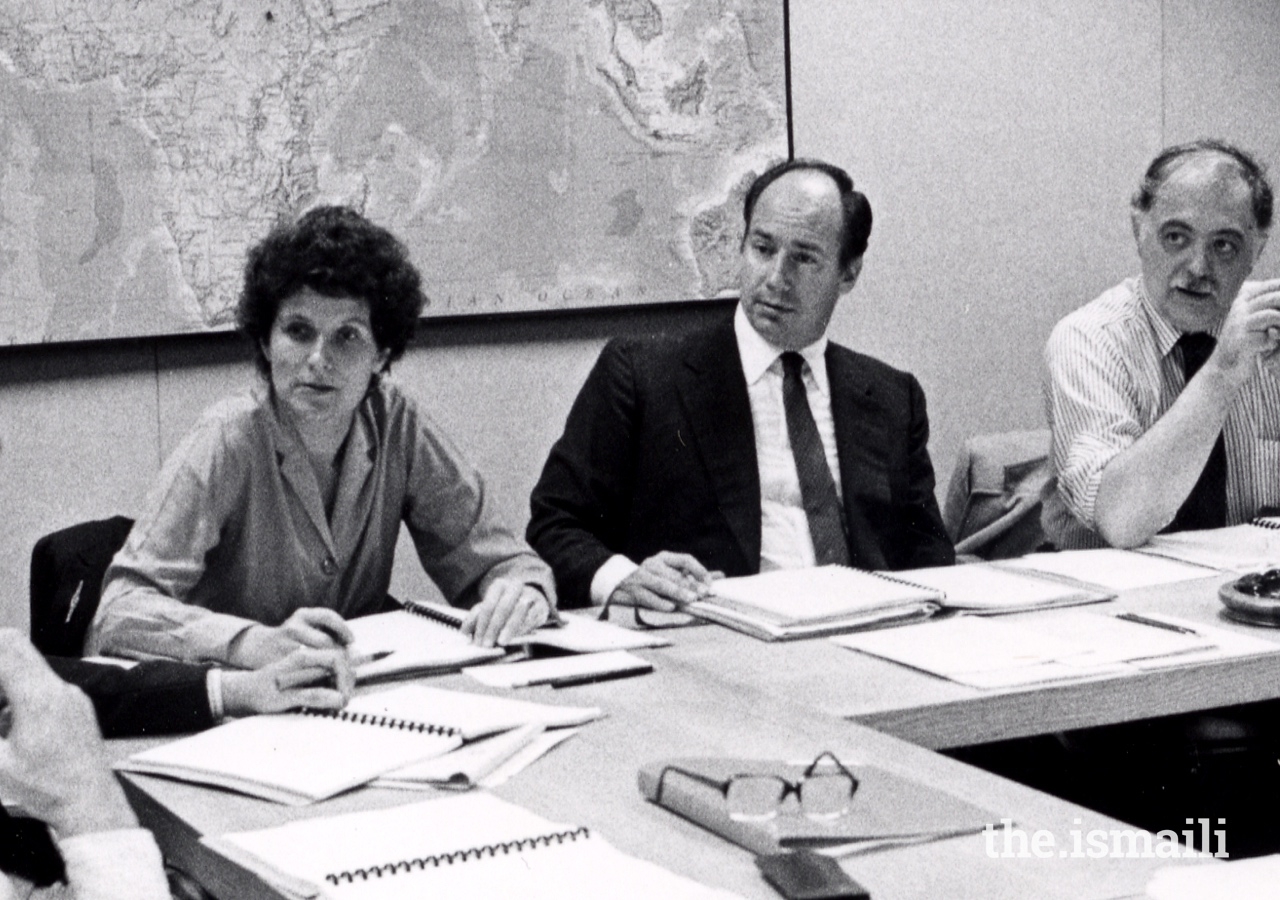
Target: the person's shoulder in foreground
(53, 764)
(1162, 393)
(676, 448)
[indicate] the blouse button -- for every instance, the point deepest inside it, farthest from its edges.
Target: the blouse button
(329, 566)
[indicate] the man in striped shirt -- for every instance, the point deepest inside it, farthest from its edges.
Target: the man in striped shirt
(1163, 394)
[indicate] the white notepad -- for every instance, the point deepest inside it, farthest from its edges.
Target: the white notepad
(296, 758)
(470, 715)
(418, 646)
(469, 846)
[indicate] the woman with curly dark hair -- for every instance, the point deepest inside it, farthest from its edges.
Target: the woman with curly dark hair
(277, 517)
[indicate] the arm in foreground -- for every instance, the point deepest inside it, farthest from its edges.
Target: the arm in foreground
(52, 761)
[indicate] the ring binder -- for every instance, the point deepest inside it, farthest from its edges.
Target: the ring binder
(459, 856)
(360, 718)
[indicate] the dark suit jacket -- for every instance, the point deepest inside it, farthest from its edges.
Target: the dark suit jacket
(659, 454)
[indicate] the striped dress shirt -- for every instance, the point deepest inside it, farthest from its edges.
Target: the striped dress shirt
(1112, 370)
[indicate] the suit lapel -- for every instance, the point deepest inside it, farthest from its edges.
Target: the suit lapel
(713, 391)
(860, 445)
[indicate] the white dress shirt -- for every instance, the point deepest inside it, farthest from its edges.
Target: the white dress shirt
(785, 542)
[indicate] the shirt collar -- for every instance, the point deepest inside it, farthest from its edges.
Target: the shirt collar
(758, 355)
(1166, 334)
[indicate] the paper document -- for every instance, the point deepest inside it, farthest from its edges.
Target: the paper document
(988, 653)
(979, 652)
(1239, 548)
(1114, 570)
(1255, 878)
(560, 668)
(464, 767)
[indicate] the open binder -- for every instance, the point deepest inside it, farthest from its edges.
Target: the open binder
(802, 603)
(473, 845)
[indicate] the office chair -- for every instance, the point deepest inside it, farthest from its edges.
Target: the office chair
(992, 510)
(66, 582)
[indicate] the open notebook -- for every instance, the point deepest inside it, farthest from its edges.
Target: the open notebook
(298, 758)
(462, 847)
(798, 603)
(424, 639)
(418, 645)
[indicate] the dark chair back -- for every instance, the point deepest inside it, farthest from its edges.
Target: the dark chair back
(66, 582)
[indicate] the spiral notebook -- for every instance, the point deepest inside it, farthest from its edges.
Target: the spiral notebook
(297, 758)
(419, 644)
(467, 846)
(568, 633)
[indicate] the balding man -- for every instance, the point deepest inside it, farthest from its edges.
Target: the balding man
(1163, 394)
(753, 445)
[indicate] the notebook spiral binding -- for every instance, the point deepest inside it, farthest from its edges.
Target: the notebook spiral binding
(434, 615)
(458, 856)
(1267, 522)
(885, 576)
(381, 721)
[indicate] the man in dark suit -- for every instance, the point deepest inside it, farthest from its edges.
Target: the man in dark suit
(755, 444)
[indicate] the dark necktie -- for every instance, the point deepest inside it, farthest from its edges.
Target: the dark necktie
(1206, 505)
(817, 487)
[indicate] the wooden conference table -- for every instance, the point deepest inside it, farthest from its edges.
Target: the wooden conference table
(940, 714)
(719, 693)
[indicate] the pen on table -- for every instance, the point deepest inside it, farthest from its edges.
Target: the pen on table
(563, 681)
(1155, 623)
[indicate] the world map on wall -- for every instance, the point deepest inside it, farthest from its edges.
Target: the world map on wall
(533, 154)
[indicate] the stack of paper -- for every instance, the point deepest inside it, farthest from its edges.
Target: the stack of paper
(1240, 548)
(457, 847)
(997, 654)
(1110, 569)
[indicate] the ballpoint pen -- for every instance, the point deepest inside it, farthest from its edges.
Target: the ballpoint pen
(1155, 623)
(564, 681)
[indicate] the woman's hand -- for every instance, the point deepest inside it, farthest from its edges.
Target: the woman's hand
(508, 610)
(259, 646)
(318, 679)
